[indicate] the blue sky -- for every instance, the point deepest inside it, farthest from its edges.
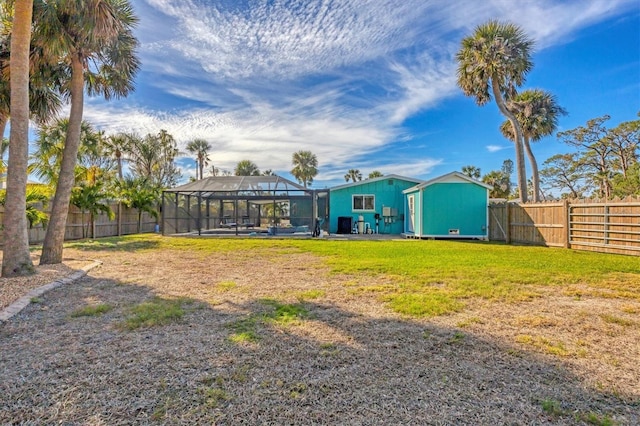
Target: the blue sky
(366, 84)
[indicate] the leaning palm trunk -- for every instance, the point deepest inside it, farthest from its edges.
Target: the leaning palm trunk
(16, 257)
(54, 238)
(517, 131)
(535, 177)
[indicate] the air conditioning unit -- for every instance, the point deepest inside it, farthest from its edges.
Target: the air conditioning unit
(389, 211)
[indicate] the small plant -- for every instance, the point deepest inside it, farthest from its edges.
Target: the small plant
(469, 321)
(596, 420)
(285, 314)
(244, 330)
(213, 397)
(329, 349)
(244, 337)
(155, 312)
(226, 285)
(92, 311)
(36, 300)
(310, 295)
(612, 319)
(457, 337)
(552, 407)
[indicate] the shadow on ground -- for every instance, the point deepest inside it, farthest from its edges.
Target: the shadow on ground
(330, 367)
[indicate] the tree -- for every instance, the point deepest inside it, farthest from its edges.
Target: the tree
(625, 140)
(472, 171)
(153, 158)
(117, 145)
(37, 198)
(537, 112)
(268, 172)
(46, 160)
(140, 194)
(89, 198)
(564, 171)
(4, 147)
(495, 61)
(95, 39)
(375, 174)
(353, 175)
(16, 259)
(246, 168)
(200, 148)
(596, 156)
(500, 180)
(305, 167)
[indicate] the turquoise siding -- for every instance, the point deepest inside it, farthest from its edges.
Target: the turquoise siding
(387, 192)
(454, 206)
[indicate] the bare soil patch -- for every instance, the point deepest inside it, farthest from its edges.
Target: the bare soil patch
(348, 360)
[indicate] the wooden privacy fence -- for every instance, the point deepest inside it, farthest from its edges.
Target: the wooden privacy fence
(123, 224)
(609, 227)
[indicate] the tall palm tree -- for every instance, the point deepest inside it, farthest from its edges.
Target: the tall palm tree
(117, 145)
(305, 167)
(17, 259)
(94, 38)
(537, 112)
(494, 61)
(200, 148)
(247, 168)
(353, 175)
(375, 174)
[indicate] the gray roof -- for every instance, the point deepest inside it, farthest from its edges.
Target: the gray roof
(245, 185)
(366, 181)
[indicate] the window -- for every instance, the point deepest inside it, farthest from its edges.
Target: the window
(364, 202)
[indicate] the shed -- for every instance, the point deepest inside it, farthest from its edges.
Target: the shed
(378, 201)
(450, 206)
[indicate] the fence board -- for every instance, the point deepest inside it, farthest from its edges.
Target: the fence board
(104, 227)
(610, 227)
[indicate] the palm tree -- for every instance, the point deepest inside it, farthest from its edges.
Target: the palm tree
(16, 259)
(247, 168)
(138, 193)
(92, 32)
(4, 147)
(200, 148)
(305, 167)
(353, 175)
(89, 198)
(472, 171)
(37, 197)
(537, 112)
(494, 60)
(375, 174)
(117, 145)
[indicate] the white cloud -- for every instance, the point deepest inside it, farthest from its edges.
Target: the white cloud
(496, 148)
(336, 77)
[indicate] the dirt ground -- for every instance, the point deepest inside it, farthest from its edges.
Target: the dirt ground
(351, 360)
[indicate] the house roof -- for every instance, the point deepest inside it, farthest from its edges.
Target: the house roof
(240, 184)
(367, 181)
(453, 177)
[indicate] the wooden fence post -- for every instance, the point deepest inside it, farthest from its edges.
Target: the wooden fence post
(507, 227)
(567, 224)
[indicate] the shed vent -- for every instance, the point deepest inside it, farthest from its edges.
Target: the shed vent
(454, 232)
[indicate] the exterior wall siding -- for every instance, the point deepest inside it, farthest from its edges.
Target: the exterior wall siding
(454, 206)
(386, 195)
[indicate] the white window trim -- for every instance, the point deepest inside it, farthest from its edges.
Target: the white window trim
(353, 196)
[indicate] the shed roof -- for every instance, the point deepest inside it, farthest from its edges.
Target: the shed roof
(366, 181)
(453, 177)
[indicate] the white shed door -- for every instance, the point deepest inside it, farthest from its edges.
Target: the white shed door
(412, 217)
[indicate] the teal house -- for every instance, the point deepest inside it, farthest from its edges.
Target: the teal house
(450, 206)
(370, 206)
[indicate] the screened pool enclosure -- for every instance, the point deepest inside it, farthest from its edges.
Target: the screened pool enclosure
(242, 205)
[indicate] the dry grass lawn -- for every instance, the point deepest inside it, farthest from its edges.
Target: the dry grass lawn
(273, 337)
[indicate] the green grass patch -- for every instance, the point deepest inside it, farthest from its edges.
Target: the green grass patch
(92, 311)
(284, 314)
(544, 344)
(441, 275)
(226, 285)
(552, 407)
(157, 311)
(310, 295)
(424, 304)
(612, 319)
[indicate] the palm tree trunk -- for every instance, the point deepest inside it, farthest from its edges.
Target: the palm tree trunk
(16, 257)
(517, 131)
(535, 177)
(54, 238)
